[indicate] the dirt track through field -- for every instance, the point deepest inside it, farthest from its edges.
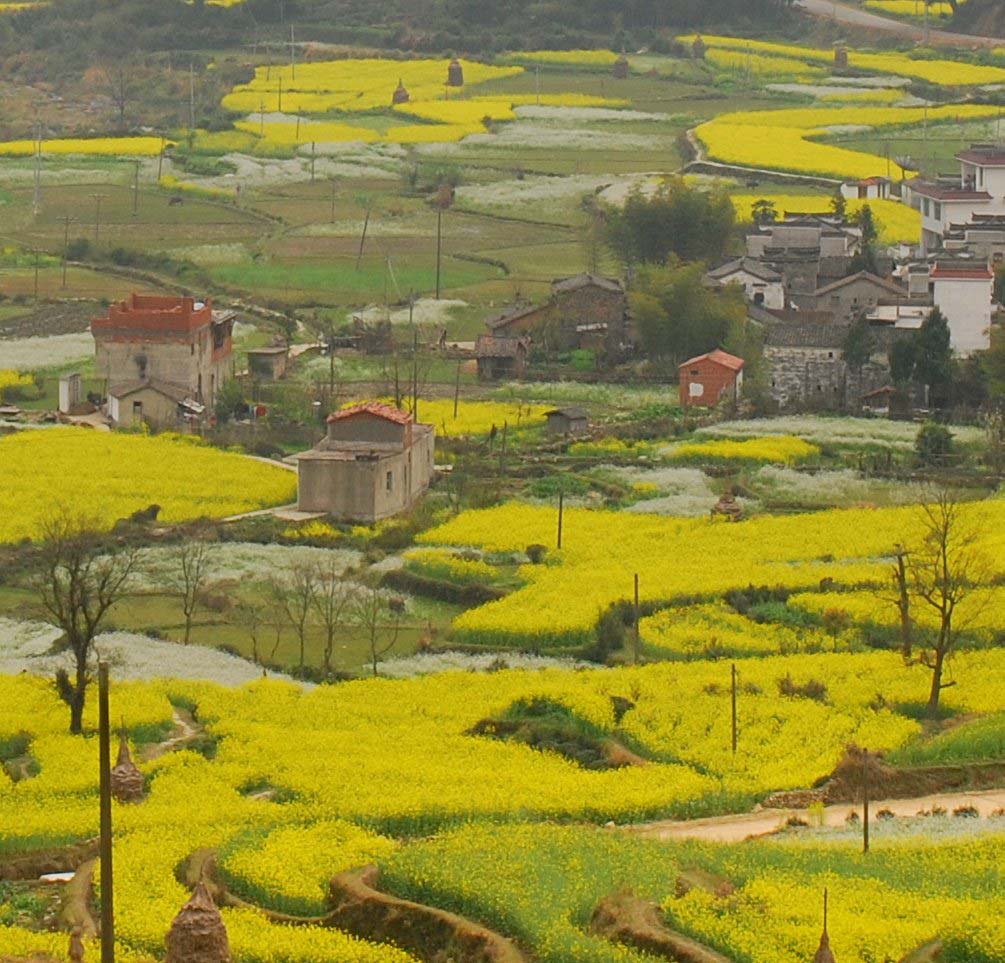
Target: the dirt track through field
(855, 17)
(734, 829)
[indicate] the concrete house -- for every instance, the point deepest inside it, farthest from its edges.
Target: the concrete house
(159, 352)
(964, 292)
(762, 284)
(268, 363)
(855, 294)
(867, 189)
(709, 378)
(945, 201)
(583, 312)
(373, 463)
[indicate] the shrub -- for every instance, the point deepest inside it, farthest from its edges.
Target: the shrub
(934, 444)
(811, 689)
(536, 553)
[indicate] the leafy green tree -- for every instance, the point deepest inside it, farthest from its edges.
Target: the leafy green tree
(993, 361)
(763, 212)
(865, 260)
(677, 221)
(933, 364)
(859, 344)
(678, 317)
(901, 356)
(839, 205)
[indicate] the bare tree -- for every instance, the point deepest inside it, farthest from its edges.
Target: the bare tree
(332, 597)
(295, 595)
(190, 563)
(380, 624)
(77, 583)
(946, 569)
(257, 617)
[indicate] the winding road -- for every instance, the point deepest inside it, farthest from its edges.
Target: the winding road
(856, 17)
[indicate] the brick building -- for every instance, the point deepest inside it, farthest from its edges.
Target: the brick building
(164, 348)
(709, 378)
(583, 312)
(374, 462)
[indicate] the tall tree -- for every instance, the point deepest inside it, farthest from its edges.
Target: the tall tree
(933, 365)
(677, 221)
(295, 592)
(332, 598)
(372, 613)
(859, 344)
(678, 317)
(79, 580)
(186, 579)
(945, 570)
(763, 211)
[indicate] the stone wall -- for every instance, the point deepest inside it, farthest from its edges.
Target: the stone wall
(818, 379)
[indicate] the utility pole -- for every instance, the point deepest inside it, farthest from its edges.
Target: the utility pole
(333, 201)
(733, 702)
(36, 274)
(98, 198)
(439, 247)
(36, 203)
(136, 187)
(293, 57)
(865, 800)
(415, 356)
(191, 96)
(261, 118)
(160, 159)
(537, 83)
(636, 638)
(457, 388)
(313, 150)
(561, 506)
(105, 806)
(66, 243)
(280, 107)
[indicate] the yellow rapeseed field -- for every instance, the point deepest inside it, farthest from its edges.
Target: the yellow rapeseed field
(97, 146)
(951, 73)
(777, 449)
(675, 558)
(473, 417)
(896, 222)
(762, 64)
(105, 476)
(784, 139)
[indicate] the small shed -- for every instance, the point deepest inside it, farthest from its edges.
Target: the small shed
(400, 95)
(568, 421)
(268, 363)
(501, 357)
(866, 189)
(70, 392)
(151, 401)
(709, 378)
(455, 74)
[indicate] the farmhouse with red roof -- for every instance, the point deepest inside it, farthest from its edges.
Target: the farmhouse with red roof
(710, 377)
(374, 462)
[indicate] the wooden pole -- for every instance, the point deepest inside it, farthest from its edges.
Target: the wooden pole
(362, 238)
(136, 187)
(637, 639)
(333, 203)
(36, 274)
(439, 247)
(457, 388)
(865, 800)
(313, 151)
(66, 243)
(502, 448)
(105, 807)
(733, 702)
(561, 506)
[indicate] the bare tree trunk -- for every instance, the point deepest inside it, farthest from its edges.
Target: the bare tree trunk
(936, 690)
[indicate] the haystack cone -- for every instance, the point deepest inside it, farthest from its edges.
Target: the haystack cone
(824, 954)
(400, 95)
(127, 780)
(620, 68)
(455, 74)
(197, 934)
(698, 48)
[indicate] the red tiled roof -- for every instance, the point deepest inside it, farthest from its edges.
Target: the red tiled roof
(376, 408)
(979, 272)
(717, 357)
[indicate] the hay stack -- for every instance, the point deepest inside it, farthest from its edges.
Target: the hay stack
(840, 56)
(698, 48)
(127, 780)
(400, 95)
(620, 69)
(197, 934)
(455, 74)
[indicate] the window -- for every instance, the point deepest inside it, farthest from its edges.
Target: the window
(830, 354)
(926, 207)
(389, 481)
(937, 210)
(694, 372)
(759, 297)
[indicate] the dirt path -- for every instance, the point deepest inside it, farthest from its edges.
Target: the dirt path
(734, 829)
(855, 17)
(185, 730)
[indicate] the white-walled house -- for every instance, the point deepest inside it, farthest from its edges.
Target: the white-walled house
(869, 188)
(964, 294)
(945, 201)
(761, 284)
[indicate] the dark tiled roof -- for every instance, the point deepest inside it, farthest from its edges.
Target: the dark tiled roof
(177, 393)
(805, 336)
(578, 281)
(862, 276)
